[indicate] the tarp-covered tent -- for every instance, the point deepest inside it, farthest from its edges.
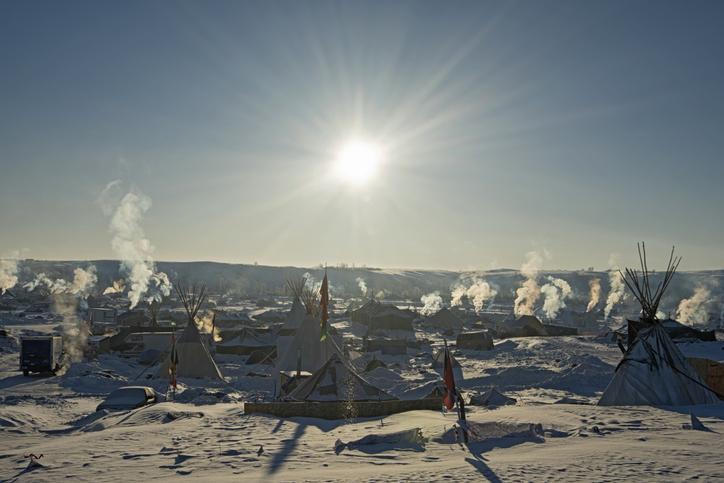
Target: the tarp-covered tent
(493, 397)
(194, 360)
(479, 340)
(388, 347)
(270, 316)
(232, 319)
(247, 340)
(525, 326)
(336, 380)
(675, 330)
(444, 319)
(314, 352)
(559, 330)
(653, 372)
(390, 319)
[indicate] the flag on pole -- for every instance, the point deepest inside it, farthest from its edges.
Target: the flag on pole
(449, 391)
(324, 294)
(174, 361)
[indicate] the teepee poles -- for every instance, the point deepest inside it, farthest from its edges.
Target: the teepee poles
(641, 287)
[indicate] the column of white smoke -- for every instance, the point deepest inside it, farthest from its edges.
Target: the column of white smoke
(75, 329)
(8, 274)
(83, 280)
(457, 295)
(480, 292)
(692, 311)
(555, 294)
(433, 304)
(133, 248)
(595, 293)
(529, 290)
(362, 286)
(616, 293)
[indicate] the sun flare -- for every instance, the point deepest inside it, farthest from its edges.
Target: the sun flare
(358, 161)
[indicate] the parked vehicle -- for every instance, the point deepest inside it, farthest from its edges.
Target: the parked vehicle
(41, 354)
(130, 397)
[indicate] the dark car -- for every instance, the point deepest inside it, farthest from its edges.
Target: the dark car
(130, 397)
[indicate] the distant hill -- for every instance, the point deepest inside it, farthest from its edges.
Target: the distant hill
(223, 278)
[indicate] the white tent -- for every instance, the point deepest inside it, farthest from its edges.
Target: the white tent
(336, 380)
(314, 353)
(194, 360)
(654, 372)
(291, 324)
(294, 318)
(492, 398)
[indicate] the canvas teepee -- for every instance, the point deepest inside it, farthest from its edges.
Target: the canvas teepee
(653, 370)
(194, 360)
(154, 307)
(298, 310)
(314, 352)
(337, 380)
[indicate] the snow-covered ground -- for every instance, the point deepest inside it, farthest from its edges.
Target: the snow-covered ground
(555, 380)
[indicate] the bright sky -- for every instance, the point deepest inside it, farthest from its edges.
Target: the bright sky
(500, 128)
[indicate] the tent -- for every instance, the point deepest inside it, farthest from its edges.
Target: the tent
(391, 318)
(654, 372)
(336, 381)
(525, 326)
(674, 329)
(438, 361)
(374, 364)
(388, 347)
(479, 340)
(257, 357)
(293, 320)
(314, 353)
(444, 319)
(492, 398)
(245, 341)
(194, 360)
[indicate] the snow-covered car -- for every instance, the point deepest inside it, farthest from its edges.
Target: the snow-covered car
(130, 397)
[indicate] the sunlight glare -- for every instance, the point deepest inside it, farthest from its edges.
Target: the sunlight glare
(358, 161)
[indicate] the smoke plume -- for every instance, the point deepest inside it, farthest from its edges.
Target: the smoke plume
(616, 293)
(595, 293)
(83, 281)
(361, 283)
(118, 287)
(692, 311)
(555, 294)
(205, 323)
(529, 291)
(133, 248)
(478, 293)
(8, 274)
(433, 304)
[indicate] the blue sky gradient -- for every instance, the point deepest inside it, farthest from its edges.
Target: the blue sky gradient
(576, 128)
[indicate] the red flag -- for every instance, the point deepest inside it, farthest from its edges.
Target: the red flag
(324, 301)
(449, 392)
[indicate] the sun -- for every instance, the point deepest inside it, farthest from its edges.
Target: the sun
(358, 161)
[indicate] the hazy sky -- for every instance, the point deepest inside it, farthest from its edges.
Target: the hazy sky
(571, 128)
